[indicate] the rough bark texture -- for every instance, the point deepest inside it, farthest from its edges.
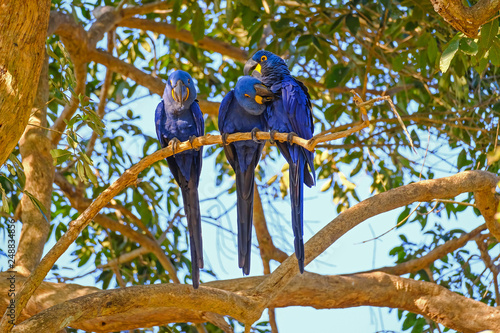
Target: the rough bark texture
(22, 49)
(141, 306)
(39, 169)
(466, 19)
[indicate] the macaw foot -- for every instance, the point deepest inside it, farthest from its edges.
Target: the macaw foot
(224, 139)
(191, 139)
(272, 133)
(175, 143)
(254, 134)
(290, 136)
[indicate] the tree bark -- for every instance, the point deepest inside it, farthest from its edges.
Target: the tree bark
(39, 169)
(22, 49)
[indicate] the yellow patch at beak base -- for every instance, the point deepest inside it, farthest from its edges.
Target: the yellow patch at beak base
(173, 96)
(187, 95)
(258, 99)
(258, 68)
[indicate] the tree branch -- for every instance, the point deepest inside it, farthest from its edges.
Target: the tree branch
(448, 187)
(171, 31)
(38, 167)
(440, 251)
(21, 58)
(466, 19)
(148, 243)
(69, 110)
(267, 248)
(139, 306)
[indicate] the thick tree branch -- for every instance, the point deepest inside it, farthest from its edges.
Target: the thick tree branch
(448, 187)
(129, 308)
(22, 49)
(487, 203)
(38, 166)
(466, 19)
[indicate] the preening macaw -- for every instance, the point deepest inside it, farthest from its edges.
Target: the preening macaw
(291, 113)
(242, 110)
(178, 118)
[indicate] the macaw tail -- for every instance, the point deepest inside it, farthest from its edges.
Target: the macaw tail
(244, 189)
(296, 173)
(192, 209)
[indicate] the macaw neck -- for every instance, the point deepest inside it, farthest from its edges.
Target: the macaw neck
(276, 74)
(176, 108)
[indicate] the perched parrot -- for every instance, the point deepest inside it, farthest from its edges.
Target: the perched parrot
(290, 113)
(242, 110)
(178, 118)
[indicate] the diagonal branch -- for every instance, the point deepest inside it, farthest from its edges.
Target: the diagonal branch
(468, 181)
(440, 251)
(171, 31)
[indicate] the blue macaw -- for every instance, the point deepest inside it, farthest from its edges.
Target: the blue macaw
(178, 118)
(242, 110)
(292, 113)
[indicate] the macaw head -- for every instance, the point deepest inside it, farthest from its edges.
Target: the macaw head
(252, 95)
(180, 90)
(267, 64)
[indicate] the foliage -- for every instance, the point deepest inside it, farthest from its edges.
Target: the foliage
(443, 85)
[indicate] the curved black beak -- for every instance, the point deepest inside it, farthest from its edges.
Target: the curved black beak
(250, 66)
(264, 92)
(180, 92)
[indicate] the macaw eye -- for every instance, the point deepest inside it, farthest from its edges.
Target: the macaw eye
(247, 95)
(189, 81)
(263, 58)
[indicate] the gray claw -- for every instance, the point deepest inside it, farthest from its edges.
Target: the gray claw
(191, 139)
(272, 133)
(254, 133)
(290, 136)
(175, 143)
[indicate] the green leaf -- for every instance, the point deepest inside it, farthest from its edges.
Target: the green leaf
(494, 54)
(488, 33)
(336, 76)
(90, 174)
(448, 54)
(352, 23)
(198, 25)
(432, 50)
(5, 202)
(37, 204)
(60, 155)
(468, 46)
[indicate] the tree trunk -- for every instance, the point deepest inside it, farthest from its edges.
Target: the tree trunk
(23, 31)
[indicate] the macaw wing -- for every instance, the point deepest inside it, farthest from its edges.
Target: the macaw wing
(223, 110)
(160, 124)
(198, 118)
(297, 105)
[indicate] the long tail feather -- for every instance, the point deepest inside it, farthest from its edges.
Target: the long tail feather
(244, 189)
(296, 173)
(193, 216)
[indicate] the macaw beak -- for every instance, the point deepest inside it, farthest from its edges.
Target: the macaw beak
(263, 94)
(180, 93)
(250, 66)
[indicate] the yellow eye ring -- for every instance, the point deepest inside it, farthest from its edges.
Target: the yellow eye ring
(263, 58)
